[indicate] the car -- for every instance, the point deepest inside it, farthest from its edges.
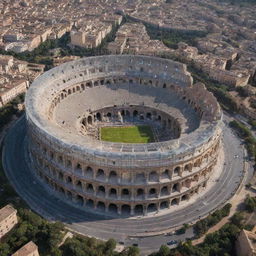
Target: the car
(172, 242)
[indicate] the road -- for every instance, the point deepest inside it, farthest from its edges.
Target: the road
(42, 201)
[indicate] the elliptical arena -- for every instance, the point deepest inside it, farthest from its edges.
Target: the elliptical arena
(67, 107)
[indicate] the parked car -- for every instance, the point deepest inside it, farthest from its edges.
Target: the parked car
(172, 242)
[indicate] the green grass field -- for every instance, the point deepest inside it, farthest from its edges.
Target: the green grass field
(128, 134)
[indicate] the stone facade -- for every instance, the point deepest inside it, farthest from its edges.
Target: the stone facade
(245, 244)
(29, 249)
(119, 178)
(8, 219)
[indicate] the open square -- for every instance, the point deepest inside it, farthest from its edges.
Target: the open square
(127, 134)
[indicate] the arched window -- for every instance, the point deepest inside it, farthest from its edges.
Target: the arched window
(89, 172)
(89, 188)
(98, 116)
(140, 193)
(101, 206)
(113, 176)
(164, 191)
(126, 209)
(100, 174)
(153, 176)
(113, 193)
(176, 171)
(164, 205)
(113, 208)
(138, 209)
(152, 192)
(152, 208)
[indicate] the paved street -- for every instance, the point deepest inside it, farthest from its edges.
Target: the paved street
(89, 223)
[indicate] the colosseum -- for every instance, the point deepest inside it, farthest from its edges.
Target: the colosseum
(68, 106)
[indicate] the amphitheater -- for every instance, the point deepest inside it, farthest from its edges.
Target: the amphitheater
(67, 107)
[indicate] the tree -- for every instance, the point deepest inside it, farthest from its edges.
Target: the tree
(250, 203)
(237, 219)
(4, 249)
(110, 246)
(163, 251)
(131, 251)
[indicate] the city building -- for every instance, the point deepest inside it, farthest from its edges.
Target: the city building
(246, 243)
(29, 249)
(8, 219)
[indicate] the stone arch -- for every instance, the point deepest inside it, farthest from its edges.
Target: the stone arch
(138, 209)
(197, 163)
(176, 171)
(69, 180)
(100, 174)
(164, 191)
(175, 187)
(153, 176)
(135, 113)
(140, 178)
(188, 167)
(101, 191)
(127, 113)
(90, 203)
(89, 84)
(89, 172)
(89, 120)
(125, 193)
(109, 115)
(174, 201)
(77, 88)
(89, 188)
(113, 193)
(196, 177)
(140, 193)
(98, 116)
(152, 192)
(101, 206)
(149, 116)
(184, 197)
(79, 200)
(165, 174)
(69, 92)
(82, 86)
(164, 85)
(79, 184)
(126, 209)
(78, 168)
(151, 208)
(164, 205)
(113, 208)
(113, 176)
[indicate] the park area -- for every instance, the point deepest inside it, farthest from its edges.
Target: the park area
(127, 134)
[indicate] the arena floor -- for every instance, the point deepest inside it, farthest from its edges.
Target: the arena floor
(127, 134)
